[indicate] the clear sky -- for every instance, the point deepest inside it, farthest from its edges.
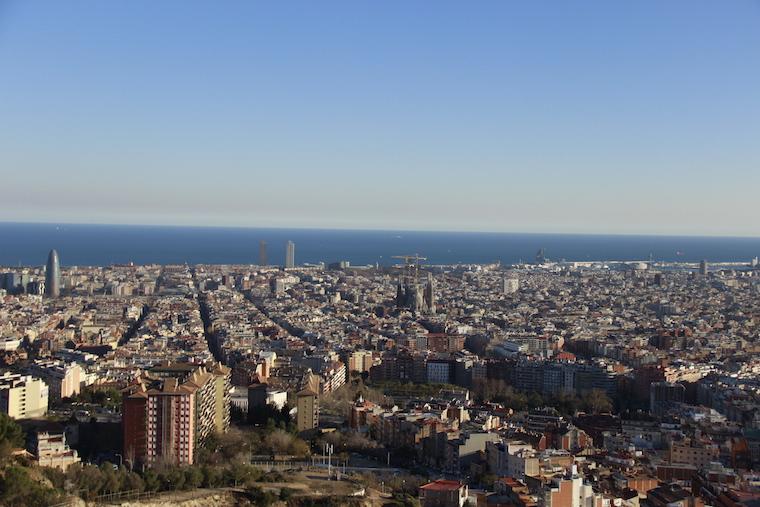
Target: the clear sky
(564, 116)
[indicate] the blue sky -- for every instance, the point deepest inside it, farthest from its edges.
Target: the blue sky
(566, 116)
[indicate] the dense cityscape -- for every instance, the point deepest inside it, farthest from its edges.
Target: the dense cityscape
(544, 384)
(379, 254)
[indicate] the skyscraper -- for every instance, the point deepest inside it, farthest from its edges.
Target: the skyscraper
(53, 275)
(703, 268)
(262, 253)
(290, 255)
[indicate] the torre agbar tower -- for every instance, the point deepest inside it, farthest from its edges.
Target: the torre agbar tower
(53, 275)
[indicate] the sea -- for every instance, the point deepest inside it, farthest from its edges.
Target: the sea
(25, 244)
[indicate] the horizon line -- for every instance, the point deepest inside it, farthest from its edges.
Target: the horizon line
(380, 229)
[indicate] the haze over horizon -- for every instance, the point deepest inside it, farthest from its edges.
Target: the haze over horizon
(367, 229)
(513, 117)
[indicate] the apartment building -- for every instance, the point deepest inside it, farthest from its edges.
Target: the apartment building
(172, 409)
(23, 396)
(63, 379)
(443, 493)
(307, 405)
(51, 450)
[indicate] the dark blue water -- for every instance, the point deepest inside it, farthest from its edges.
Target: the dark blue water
(28, 244)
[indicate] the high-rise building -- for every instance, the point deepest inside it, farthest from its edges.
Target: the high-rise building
(307, 405)
(262, 253)
(214, 381)
(430, 294)
(53, 275)
(23, 396)
(703, 268)
(290, 255)
(11, 281)
(172, 409)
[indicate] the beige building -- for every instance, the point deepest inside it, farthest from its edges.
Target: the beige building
(23, 396)
(222, 388)
(570, 491)
(360, 360)
(694, 453)
(63, 380)
(307, 405)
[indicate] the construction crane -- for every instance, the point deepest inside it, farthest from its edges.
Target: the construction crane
(411, 266)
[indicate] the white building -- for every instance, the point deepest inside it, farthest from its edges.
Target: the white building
(51, 450)
(23, 396)
(9, 343)
(63, 379)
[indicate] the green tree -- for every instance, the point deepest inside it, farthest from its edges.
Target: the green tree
(239, 475)
(17, 487)
(110, 479)
(56, 476)
(260, 497)
(131, 482)
(212, 476)
(535, 400)
(88, 479)
(172, 478)
(152, 481)
(11, 436)
(193, 477)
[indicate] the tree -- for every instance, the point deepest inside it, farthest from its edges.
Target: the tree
(212, 477)
(88, 479)
(132, 482)
(172, 479)
(111, 482)
(261, 497)
(535, 400)
(278, 441)
(240, 475)
(17, 487)
(285, 494)
(152, 481)
(11, 436)
(298, 448)
(597, 401)
(193, 477)
(109, 398)
(56, 476)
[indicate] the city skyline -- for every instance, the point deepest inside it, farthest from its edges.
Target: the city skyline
(590, 118)
(527, 269)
